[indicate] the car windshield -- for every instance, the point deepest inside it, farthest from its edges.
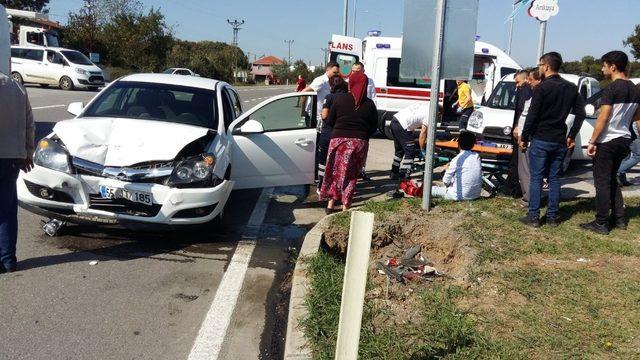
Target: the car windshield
(161, 102)
(169, 71)
(76, 57)
(503, 96)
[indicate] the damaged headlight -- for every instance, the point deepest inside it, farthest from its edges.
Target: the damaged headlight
(476, 119)
(51, 155)
(196, 171)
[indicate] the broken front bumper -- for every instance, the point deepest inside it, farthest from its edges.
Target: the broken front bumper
(77, 199)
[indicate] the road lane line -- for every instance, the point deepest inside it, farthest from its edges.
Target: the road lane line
(47, 107)
(214, 327)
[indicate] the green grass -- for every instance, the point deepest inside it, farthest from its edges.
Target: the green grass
(526, 295)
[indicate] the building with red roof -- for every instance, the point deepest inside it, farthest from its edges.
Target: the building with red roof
(261, 68)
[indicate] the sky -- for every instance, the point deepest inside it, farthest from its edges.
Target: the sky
(582, 27)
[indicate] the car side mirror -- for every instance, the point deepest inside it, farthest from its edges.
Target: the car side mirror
(590, 110)
(251, 127)
(75, 108)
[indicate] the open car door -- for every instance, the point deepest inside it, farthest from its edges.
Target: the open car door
(274, 143)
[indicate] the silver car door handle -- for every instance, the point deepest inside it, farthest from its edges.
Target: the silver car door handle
(303, 142)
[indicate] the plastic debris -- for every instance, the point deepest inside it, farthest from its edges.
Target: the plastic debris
(93, 262)
(411, 267)
(582, 260)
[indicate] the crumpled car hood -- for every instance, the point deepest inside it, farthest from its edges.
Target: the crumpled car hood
(125, 142)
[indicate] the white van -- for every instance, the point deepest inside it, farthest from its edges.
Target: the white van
(46, 66)
(493, 120)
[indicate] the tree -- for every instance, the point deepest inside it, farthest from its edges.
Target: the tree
(634, 42)
(30, 5)
(207, 58)
(136, 40)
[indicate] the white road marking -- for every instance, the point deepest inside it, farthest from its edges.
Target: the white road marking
(47, 107)
(214, 327)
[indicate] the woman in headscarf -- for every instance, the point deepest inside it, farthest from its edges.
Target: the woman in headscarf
(338, 86)
(354, 119)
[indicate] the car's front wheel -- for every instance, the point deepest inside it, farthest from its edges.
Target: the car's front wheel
(17, 77)
(66, 83)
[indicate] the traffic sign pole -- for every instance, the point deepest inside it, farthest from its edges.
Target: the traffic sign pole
(433, 105)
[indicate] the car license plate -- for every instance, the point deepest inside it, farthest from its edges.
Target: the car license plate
(108, 192)
(504, 146)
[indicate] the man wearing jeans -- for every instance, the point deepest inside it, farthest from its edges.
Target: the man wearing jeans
(609, 143)
(544, 135)
(633, 159)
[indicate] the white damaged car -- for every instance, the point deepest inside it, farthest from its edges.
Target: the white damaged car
(155, 149)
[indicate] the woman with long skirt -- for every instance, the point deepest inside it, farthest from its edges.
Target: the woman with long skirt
(354, 119)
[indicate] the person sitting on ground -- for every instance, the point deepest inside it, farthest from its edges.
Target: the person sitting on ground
(463, 177)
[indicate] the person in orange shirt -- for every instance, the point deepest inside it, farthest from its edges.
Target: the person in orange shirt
(464, 105)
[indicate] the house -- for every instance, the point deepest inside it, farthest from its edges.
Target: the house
(261, 68)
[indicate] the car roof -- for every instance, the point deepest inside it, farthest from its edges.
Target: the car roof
(38, 47)
(181, 80)
(569, 77)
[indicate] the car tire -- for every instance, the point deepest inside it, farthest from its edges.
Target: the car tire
(66, 83)
(44, 85)
(17, 77)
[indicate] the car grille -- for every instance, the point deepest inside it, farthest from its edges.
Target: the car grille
(123, 206)
(496, 134)
(96, 79)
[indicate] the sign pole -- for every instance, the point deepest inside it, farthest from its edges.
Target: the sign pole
(433, 104)
(543, 34)
(345, 17)
(510, 41)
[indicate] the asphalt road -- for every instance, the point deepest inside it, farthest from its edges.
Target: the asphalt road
(149, 293)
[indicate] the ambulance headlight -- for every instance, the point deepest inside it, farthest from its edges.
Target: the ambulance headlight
(476, 119)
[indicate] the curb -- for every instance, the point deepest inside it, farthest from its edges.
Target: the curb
(295, 344)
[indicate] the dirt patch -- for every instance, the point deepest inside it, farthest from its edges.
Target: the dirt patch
(394, 232)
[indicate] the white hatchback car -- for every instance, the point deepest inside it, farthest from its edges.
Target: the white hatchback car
(155, 149)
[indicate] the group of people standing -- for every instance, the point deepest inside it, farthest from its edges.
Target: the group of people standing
(347, 118)
(544, 102)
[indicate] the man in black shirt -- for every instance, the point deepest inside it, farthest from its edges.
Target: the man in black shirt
(610, 141)
(545, 138)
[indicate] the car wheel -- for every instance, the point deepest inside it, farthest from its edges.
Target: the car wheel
(387, 133)
(44, 85)
(17, 77)
(66, 83)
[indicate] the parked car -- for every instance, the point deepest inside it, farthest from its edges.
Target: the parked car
(46, 66)
(155, 149)
(180, 71)
(493, 120)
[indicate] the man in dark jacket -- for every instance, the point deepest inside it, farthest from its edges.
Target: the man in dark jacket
(523, 93)
(544, 135)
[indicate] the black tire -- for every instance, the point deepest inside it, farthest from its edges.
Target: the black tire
(17, 77)
(44, 85)
(66, 83)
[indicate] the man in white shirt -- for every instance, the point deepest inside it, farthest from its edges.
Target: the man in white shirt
(403, 125)
(371, 86)
(463, 177)
(321, 86)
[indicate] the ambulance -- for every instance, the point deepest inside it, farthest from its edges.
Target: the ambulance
(381, 57)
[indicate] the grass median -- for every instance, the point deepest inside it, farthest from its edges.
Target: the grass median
(512, 292)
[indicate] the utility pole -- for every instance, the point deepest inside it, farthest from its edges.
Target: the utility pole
(541, 39)
(235, 24)
(511, 30)
(355, 12)
(289, 42)
(346, 16)
(324, 59)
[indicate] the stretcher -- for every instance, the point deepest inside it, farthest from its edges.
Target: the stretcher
(495, 161)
